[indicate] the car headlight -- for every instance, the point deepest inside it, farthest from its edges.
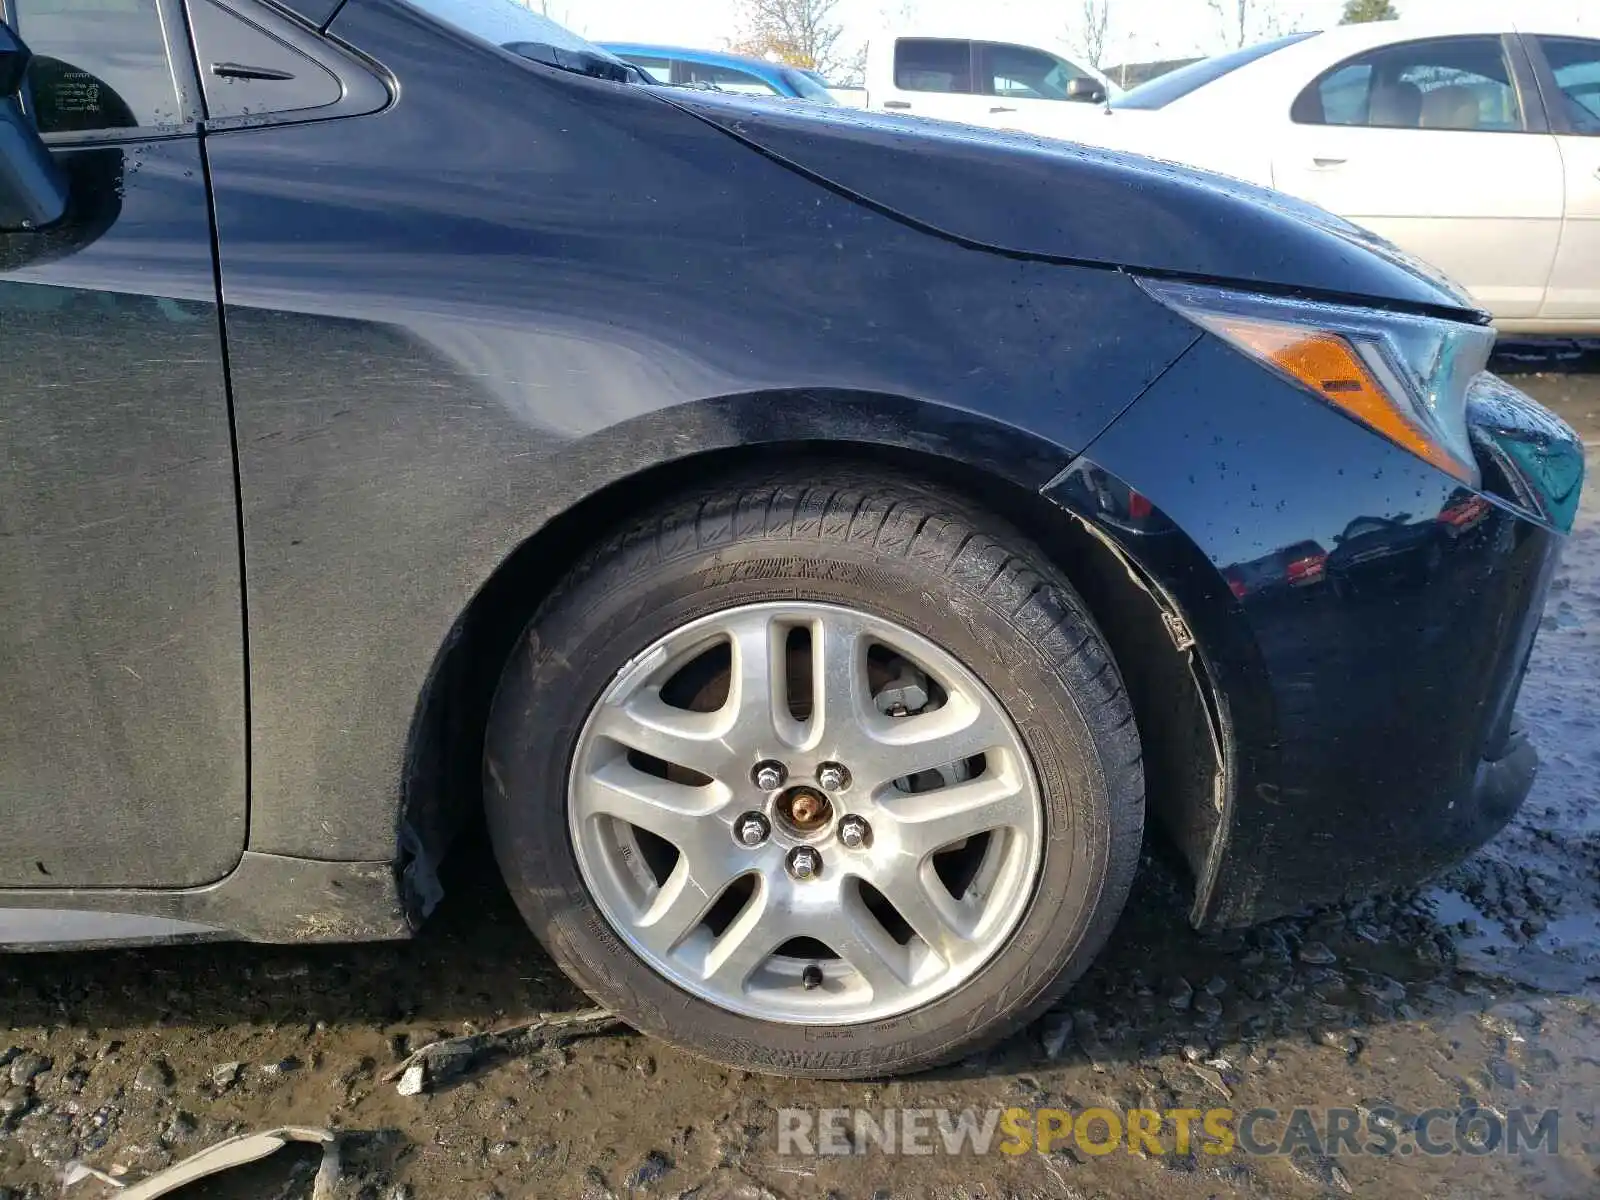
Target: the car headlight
(1403, 375)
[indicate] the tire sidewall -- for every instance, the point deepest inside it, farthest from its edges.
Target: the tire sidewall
(573, 651)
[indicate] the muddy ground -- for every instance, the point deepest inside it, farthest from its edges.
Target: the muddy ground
(1481, 991)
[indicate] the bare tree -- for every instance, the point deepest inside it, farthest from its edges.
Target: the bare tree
(1091, 32)
(803, 33)
(1247, 21)
(853, 72)
(1235, 18)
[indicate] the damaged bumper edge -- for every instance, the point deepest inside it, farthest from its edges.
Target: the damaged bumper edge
(1365, 618)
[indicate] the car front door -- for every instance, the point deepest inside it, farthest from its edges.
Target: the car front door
(1570, 77)
(1437, 146)
(122, 673)
(1027, 88)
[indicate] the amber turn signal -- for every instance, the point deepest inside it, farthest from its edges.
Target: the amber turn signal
(1330, 366)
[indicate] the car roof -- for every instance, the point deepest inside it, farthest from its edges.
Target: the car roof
(960, 32)
(710, 58)
(1342, 41)
(1468, 19)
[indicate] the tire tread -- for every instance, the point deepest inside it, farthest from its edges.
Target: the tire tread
(973, 553)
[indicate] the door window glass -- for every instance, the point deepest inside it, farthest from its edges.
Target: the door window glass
(725, 79)
(1023, 73)
(98, 64)
(1576, 65)
(1346, 95)
(933, 65)
(247, 72)
(1447, 83)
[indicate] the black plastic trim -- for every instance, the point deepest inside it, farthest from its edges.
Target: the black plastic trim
(1530, 91)
(1545, 78)
(268, 898)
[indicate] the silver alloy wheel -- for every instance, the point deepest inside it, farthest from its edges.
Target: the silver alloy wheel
(662, 778)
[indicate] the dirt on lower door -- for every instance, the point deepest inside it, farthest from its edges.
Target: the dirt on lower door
(1431, 1036)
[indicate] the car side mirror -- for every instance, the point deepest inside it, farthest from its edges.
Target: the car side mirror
(1086, 90)
(33, 190)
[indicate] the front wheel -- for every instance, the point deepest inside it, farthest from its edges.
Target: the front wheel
(829, 778)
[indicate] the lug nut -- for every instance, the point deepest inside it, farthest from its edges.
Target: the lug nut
(752, 829)
(769, 776)
(804, 863)
(833, 777)
(854, 833)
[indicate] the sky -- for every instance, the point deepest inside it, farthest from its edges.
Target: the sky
(1141, 30)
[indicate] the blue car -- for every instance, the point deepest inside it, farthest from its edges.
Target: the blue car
(723, 72)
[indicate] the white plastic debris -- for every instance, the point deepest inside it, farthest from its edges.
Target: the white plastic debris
(77, 1172)
(441, 1061)
(412, 1080)
(224, 1156)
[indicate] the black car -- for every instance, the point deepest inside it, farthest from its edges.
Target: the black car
(805, 536)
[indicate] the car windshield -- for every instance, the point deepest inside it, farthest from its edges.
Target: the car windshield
(1175, 85)
(507, 23)
(808, 87)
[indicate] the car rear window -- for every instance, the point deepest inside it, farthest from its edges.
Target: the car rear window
(1175, 85)
(933, 65)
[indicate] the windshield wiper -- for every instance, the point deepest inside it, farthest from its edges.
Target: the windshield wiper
(578, 62)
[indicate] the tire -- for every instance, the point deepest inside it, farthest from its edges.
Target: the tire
(893, 550)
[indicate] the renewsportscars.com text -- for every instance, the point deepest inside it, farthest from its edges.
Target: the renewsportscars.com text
(1175, 1131)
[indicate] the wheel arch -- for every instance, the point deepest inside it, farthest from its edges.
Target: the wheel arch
(999, 467)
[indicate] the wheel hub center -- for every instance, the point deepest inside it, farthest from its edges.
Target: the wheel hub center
(805, 809)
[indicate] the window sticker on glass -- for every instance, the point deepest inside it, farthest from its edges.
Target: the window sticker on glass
(98, 65)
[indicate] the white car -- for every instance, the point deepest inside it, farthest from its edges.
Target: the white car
(980, 78)
(1474, 145)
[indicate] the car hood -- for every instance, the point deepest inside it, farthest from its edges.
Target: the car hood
(1045, 198)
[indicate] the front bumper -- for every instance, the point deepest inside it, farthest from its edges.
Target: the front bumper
(1364, 713)
(1501, 785)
